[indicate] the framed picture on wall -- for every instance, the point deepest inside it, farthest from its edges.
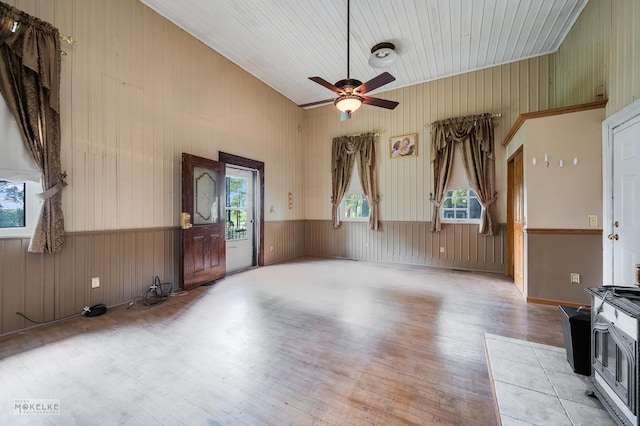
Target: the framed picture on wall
(403, 146)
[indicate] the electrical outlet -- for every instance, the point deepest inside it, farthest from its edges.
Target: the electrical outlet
(593, 220)
(95, 282)
(441, 249)
(575, 278)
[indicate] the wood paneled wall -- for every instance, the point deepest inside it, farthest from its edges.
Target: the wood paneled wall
(405, 183)
(456, 246)
(50, 287)
(602, 49)
(283, 240)
(136, 93)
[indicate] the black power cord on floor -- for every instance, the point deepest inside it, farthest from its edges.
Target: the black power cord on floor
(47, 322)
(29, 319)
(157, 293)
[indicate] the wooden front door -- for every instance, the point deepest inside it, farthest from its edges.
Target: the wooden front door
(515, 219)
(202, 221)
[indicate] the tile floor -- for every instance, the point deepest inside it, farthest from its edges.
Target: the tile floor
(535, 385)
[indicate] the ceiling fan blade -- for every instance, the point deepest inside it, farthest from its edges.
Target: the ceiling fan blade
(345, 116)
(326, 101)
(322, 82)
(379, 102)
(375, 82)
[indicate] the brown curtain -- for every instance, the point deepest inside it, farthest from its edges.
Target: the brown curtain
(442, 161)
(30, 84)
(475, 133)
(346, 150)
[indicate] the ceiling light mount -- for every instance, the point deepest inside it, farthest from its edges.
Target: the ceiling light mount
(383, 55)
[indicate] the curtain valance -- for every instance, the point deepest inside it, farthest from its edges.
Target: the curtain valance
(345, 151)
(459, 128)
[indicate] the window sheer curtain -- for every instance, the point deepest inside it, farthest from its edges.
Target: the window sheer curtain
(475, 133)
(346, 150)
(30, 85)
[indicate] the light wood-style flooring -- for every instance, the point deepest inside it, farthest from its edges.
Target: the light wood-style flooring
(312, 341)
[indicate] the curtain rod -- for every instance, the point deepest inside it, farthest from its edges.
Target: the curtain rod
(69, 39)
(66, 38)
(359, 134)
(496, 115)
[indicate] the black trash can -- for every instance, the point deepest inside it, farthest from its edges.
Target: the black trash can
(576, 326)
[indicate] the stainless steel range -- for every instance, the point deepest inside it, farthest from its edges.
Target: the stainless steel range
(615, 313)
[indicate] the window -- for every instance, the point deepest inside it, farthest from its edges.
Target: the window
(12, 204)
(236, 208)
(461, 206)
(19, 208)
(354, 207)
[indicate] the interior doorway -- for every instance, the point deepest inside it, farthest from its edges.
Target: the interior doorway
(240, 213)
(244, 250)
(515, 218)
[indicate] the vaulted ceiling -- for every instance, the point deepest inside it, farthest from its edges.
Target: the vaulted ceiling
(283, 42)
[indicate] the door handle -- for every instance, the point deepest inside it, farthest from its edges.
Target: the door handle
(613, 236)
(185, 220)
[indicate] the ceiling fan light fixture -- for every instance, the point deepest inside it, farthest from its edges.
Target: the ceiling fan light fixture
(348, 103)
(383, 55)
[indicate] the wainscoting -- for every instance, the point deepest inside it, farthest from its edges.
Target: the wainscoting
(52, 287)
(283, 240)
(456, 246)
(553, 254)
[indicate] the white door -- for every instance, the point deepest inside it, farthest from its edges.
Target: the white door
(621, 231)
(240, 228)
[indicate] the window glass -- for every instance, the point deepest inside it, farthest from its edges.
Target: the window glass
(461, 206)
(12, 204)
(19, 208)
(236, 207)
(354, 207)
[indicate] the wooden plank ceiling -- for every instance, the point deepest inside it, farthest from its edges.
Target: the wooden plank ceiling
(283, 42)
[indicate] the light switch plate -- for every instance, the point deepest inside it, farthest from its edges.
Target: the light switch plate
(593, 220)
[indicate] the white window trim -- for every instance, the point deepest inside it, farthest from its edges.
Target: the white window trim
(341, 211)
(33, 204)
(455, 220)
(354, 189)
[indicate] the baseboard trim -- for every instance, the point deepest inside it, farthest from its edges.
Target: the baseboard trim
(551, 302)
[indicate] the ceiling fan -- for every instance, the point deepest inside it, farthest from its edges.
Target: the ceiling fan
(351, 92)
